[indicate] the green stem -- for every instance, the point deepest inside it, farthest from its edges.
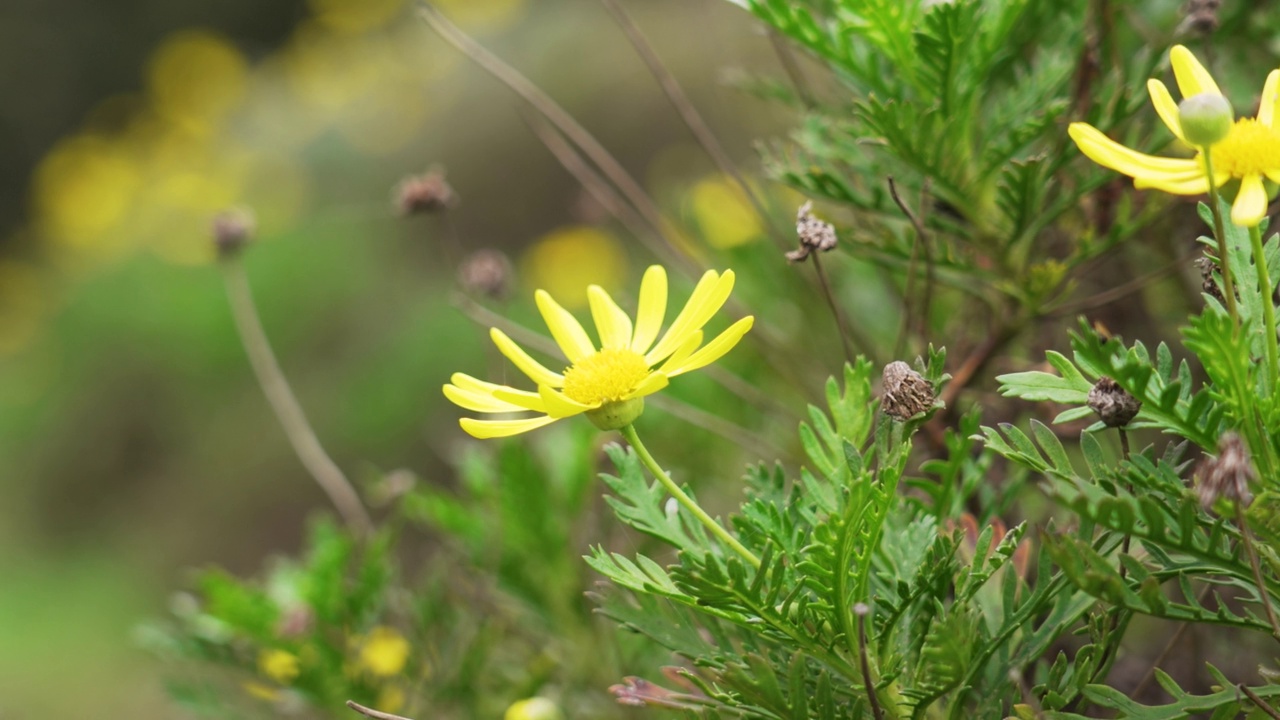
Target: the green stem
(1219, 231)
(1268, 309)
(629, 432)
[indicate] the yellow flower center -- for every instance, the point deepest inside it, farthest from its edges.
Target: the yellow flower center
(1251, 148)
(607, 376)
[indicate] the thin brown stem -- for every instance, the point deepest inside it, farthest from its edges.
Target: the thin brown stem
(689, 114)
(861, 611)
(920, 243)
(285, 404)
(1169, 646)
(566, 124)
(1259, 702)
(591, 181)
(835, 309)
(1247, 538)
(791, 67)
(370, 712)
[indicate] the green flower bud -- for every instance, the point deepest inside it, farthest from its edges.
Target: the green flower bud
(1206, 118)
(537, 708)
(616, 415)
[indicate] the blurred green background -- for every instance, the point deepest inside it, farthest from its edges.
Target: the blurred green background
(134, 443)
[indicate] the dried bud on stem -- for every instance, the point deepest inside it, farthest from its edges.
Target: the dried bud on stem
(815, 235)
(906, 392)
(232, 230)
(1207, 284)
(425, 193)
(1115, 406)
(1200, 18)
(1228, 475)
(486, 273)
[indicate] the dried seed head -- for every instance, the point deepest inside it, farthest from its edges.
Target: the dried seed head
(906, 392)
(232, 230)
(1228, 475)
(1200, 18)
(1115, 406)
(425, 193)
(815, 235)
(486, 273)
(1207, 284)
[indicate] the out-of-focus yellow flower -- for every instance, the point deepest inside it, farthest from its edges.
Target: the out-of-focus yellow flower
(536, 708)
(1250, 151)
(390, 698)
(383, 652)
(82, 189)
(481, 14)
(22, 305)
(608, 384)
(724, 213)
(565, 261)
(266, 693)
(281, 666)
(354, 17)
(196, 78)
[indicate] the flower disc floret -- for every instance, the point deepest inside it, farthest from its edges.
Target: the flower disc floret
(1249, 152)
(607, 376)
(607, 381)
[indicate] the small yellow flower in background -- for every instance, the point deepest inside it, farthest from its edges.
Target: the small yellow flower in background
(536, 708)
(265, 693)
(279, 665)
(566, 260)
(383, 652)
(608, 384)
(724, 214)
(1250, 151)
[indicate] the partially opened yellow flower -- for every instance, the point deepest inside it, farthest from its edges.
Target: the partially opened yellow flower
(1249, 152)
(607, 384)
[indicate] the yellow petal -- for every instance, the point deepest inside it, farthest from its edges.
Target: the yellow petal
(612, 323)
(1111, 154)
(486, 429)
(650, 385)
(1270, 96)
(527, 365)
(706, 301)
(1251, 202)
(558, 406)
(691, 343)
(715, 349)
(1192, 78)
(521, 398)
(652, 308)
(564, 327)
(1189, 182)
(477, 401)
(1166, 108)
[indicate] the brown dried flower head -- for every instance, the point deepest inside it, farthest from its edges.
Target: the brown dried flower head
(1113, 404)
(1200, 18)
(906, 392)
(486, 273)
(815, 235)
(425, 193)
(1228, 475)
(232, 229)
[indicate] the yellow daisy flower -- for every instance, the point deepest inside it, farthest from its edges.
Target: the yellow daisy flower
(1250, 151)
(608, 384)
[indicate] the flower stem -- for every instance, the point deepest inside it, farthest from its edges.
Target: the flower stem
(1220, 232)
(629, 432)
(287, 409)
(1268, 308)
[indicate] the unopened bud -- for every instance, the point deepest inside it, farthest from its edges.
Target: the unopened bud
(425, 193)
(1228, 475)
(906, 392)
(1113, 404)
(537, 708)
(1205, 118)
(232, 230)
(486, 273)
